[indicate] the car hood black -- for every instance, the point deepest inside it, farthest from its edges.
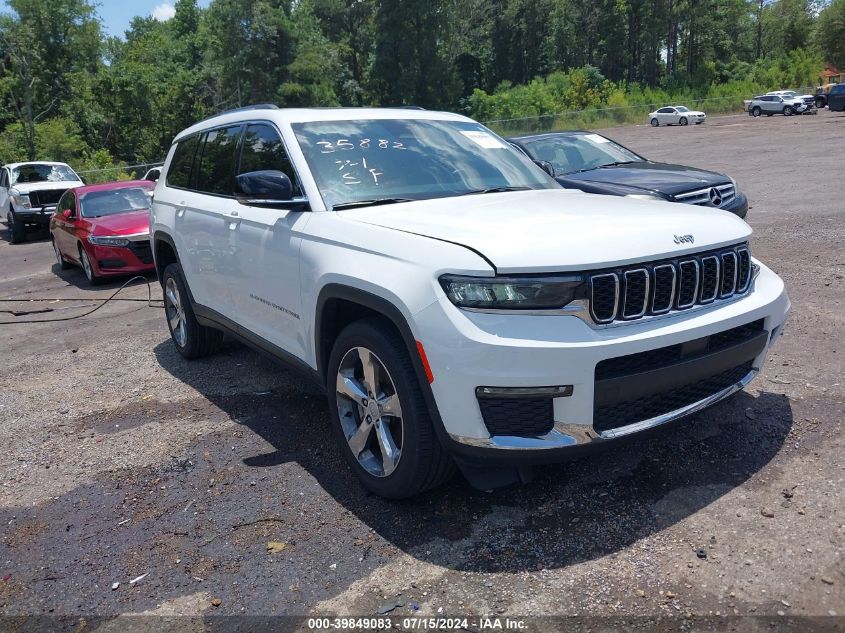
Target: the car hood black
(660, 178)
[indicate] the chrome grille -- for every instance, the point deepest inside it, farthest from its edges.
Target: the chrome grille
(656, 288)
(702, 196)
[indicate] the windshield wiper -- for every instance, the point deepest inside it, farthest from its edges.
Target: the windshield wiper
(618, 162)
(493, 190)
(372, 202)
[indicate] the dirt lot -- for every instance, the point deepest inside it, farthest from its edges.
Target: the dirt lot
(122, 460)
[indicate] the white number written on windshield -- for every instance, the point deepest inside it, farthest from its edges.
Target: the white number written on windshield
(345, 144)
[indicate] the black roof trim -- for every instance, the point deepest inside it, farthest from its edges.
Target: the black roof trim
(257, 106)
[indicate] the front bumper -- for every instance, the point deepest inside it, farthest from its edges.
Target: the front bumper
(121, 260)
(39, 216)
(471, 350)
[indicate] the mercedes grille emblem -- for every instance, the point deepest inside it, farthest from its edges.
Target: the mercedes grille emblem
(715, 197)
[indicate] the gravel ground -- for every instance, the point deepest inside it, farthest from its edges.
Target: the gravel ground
(122, 461)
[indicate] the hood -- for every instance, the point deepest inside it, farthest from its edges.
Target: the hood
(658, 177)
(129, 223)
(555, 230)
(26, 187)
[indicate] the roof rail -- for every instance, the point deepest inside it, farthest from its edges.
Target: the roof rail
(256, 106)
(411, 107)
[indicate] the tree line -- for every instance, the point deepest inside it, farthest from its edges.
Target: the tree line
(70, 92)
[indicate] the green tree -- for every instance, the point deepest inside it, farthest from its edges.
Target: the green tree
(830, 35)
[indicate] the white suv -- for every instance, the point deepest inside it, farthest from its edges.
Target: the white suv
(458, 305)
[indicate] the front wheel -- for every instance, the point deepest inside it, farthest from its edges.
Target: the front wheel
(787, 111)
(192, 340)
(683, 121)
(88, 267)
(756, 111)
(16, 228)
(820, 103)
(378, 413)
(655, 122)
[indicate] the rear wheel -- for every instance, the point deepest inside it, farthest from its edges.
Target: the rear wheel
(683, 121)
(192, 340)
(378, 413)
(88, 267)
(756, 111)
(60, 260)
(655, 122)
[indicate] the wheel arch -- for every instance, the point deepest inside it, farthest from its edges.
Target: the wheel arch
(338, 305)
(164, 252)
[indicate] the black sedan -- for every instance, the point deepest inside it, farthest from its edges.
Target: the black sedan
(595, 164)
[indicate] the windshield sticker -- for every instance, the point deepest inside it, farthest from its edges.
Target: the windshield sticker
(595, 138)
(483, 139)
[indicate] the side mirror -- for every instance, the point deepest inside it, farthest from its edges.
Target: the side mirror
(67, 214)
(546, 166)
(267, 185)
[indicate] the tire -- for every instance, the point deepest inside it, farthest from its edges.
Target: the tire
(655, 122)
(362, 426)
(820, 103)
(17, 233)
(683, 121)
(787, 111)
(60, 259)
(756, 111)
(88, 268)
(191, 339)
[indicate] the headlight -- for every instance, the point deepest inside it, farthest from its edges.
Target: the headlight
(512, 293)
(22, 200)
(108, 241)
(645, 196)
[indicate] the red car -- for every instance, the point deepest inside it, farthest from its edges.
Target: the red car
(105, 229)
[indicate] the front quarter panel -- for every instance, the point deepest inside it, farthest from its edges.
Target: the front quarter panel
(398, 267)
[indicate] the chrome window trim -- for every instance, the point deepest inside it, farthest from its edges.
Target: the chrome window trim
(681, 264)
(718, 286)
(671, 292)
(724, 256)
(639, 314)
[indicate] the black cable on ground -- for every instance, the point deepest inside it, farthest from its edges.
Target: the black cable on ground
(149, 301)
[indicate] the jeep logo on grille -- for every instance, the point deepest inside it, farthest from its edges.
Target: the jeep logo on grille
(684, 239)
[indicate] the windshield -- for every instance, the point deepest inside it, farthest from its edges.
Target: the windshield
(682, 109)
(569, 153)
(415, 159)
(99, 203)
(39, 172)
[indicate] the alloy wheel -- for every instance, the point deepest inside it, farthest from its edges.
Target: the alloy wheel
(369, 411)
(59, 259)
(86, 265)
(175, 312)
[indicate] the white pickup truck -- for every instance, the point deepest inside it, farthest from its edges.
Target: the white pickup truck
(29, 193)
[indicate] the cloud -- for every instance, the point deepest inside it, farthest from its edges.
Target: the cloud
(163, 12)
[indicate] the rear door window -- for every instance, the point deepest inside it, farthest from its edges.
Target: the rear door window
(216, 162)
(262, 150)
(179, 174)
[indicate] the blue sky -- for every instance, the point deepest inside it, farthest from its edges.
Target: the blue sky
(116, 14)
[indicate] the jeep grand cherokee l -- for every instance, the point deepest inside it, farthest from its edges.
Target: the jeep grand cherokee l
(458, 306)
